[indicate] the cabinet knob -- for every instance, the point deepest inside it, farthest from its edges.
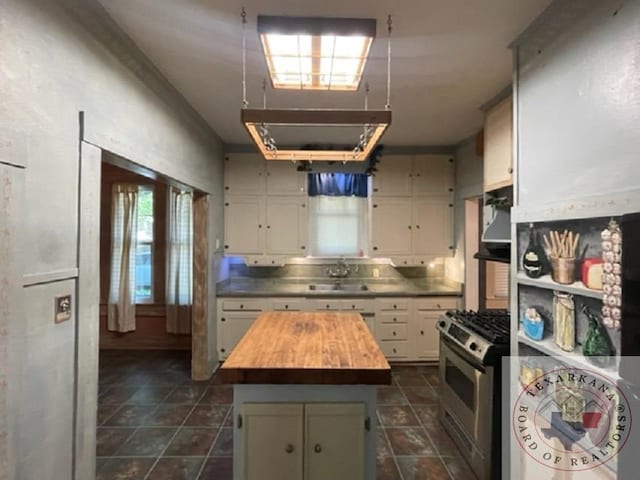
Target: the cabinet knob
(395, 351)
(259, 225)
(353, 307)
(223, 319)
(289, 448)
(303, 247)
(327, 306)
(376, 189)
(421, 332)
(422, 262)
(241, 305)
(438, 305)
(395, 306)
(409, 227)
(286, 307)
(395, 319)
(510, 170)
(375, 248)
(394, 334)
(226, 188)
(226, 246)
(317, 448)
(226, 204)
(418, 226)
(222, 350)
(417, 174)
(268, 226)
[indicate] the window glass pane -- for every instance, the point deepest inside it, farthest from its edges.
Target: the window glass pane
(144, 245)
(338, 225)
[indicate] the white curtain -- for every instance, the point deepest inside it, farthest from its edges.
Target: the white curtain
(179, 262)
(121, 311)
(338, 225)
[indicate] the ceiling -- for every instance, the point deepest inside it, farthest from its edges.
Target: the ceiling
(448, 58)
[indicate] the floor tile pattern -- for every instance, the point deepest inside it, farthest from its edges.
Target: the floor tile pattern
(155, 423)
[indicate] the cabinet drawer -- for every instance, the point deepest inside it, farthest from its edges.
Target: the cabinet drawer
(393, 304)
(288, 304)
(357, 305)
(392, 317)
(392, 332)
(327, 304)
(243, 304)
(395, 348)
(436, 303)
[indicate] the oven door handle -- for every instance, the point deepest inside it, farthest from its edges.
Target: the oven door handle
(459, 351)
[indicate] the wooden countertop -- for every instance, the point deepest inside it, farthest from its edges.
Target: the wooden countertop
(329, 348)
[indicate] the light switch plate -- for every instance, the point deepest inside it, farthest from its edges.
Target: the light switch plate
(62, 308)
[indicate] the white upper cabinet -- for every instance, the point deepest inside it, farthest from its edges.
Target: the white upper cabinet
(243, 224)
(286, 226)
(393, 177)
(284, 179)
(391, 227)
(244, 174)
(498, 151)
(432, 227)
(433, 174)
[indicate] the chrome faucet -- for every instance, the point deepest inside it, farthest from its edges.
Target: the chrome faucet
(339, 270)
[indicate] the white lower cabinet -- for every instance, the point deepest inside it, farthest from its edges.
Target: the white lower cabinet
(426, 313)
(310, 441)
(391, 331)
(235, 316)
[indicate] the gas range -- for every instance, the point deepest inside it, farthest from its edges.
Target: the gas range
(484, 335)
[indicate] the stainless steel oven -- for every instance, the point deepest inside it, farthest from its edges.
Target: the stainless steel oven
(470, 385)
(466, 398)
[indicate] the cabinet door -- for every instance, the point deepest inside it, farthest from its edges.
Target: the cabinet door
(231, 328)
(391, 227)
(284, 179)
(243, 225)
(334, 441)
(433, 175)
(433, 227)
(427, 338)
(244, 174)
(273, 441)
(498, 153)
(286, 226)
(393, 177)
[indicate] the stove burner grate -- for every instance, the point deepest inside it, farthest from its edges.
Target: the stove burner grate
(492, 325)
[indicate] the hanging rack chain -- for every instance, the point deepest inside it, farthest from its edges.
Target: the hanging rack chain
(245, 103)
(389, 28)
(366, 96)
(264, 93)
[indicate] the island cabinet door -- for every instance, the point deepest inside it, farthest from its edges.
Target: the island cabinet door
(334, 441)
(273, 441)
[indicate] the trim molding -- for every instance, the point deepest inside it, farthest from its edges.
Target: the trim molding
(97, 21)
(49, 277)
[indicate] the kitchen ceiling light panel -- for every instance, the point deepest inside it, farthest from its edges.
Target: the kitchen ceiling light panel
(312, 53)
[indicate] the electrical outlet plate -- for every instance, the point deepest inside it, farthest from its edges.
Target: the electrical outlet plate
(62, 308)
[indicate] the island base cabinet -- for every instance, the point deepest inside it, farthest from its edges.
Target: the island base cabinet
(296, 441)
(273, 435)
(334, 441)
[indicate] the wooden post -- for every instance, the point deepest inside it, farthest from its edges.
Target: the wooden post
(199, 321)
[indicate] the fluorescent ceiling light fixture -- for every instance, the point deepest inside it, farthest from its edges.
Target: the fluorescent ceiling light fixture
(373, 122)
(313, 53)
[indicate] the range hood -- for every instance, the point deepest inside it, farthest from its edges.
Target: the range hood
(494, 252)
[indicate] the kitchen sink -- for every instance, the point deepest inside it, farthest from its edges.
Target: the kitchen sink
(343, 287)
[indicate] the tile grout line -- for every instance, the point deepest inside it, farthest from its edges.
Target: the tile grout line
(215, 439)
(437, 450)
(174, 435)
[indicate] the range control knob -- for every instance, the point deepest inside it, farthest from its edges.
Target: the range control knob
(442, 324)
(473, 346)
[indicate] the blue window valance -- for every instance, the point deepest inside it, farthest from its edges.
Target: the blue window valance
(338, 184)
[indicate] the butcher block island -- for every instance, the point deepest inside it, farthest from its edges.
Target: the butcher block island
(304, 397)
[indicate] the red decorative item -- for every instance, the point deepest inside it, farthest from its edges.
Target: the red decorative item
(587, 265)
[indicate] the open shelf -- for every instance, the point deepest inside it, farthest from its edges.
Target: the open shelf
(545, 281)
(548, 347)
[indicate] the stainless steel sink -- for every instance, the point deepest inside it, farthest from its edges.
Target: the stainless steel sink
(344, 287)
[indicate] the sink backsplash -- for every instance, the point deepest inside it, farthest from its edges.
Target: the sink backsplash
(359, 270)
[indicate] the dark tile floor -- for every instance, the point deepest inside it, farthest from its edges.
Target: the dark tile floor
(155, 423)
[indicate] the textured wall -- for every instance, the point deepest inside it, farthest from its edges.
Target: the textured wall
(469, 175)
(51, 70)
(579, 102)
